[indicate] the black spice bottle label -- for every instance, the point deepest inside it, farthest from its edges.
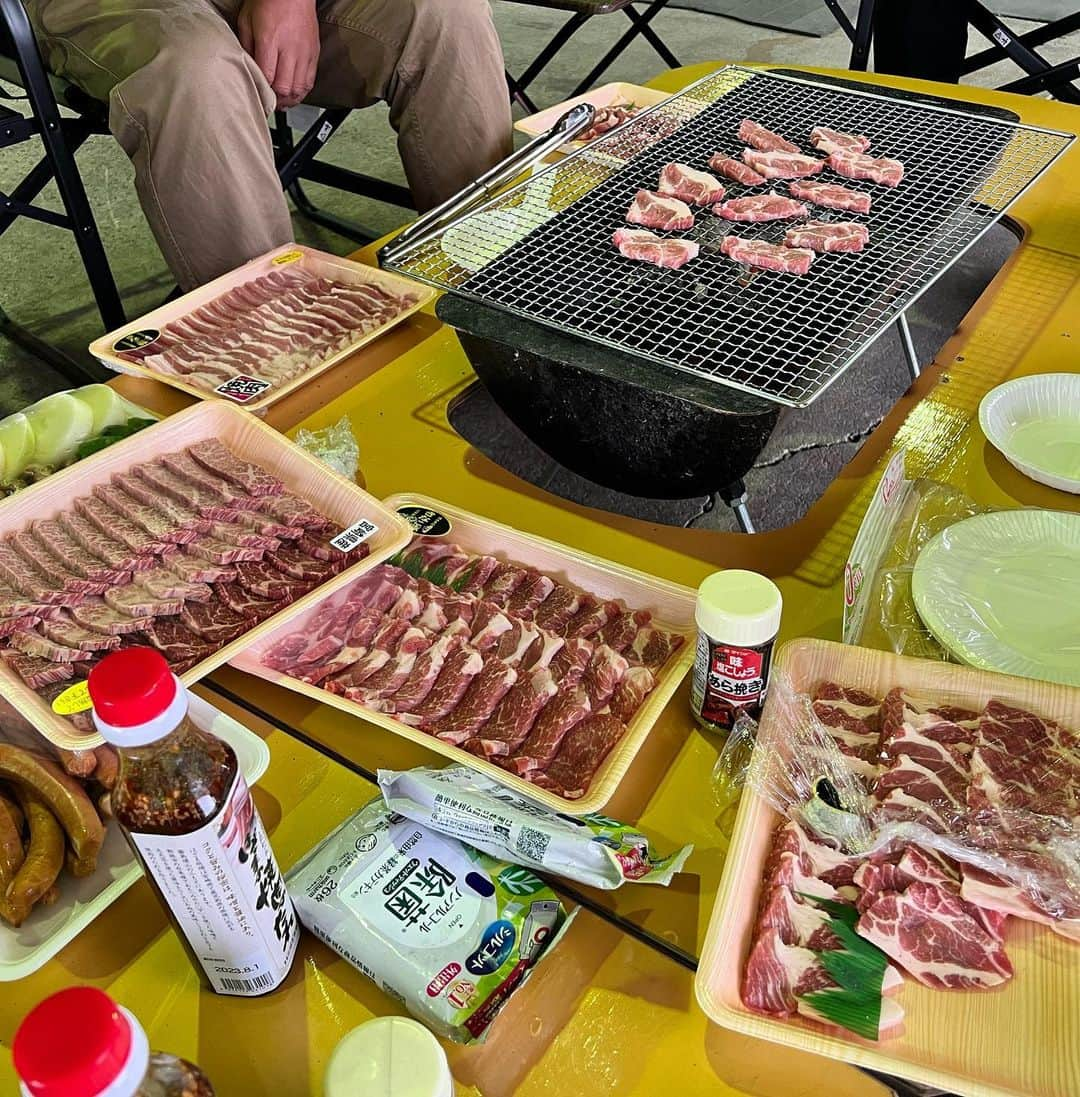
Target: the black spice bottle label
(728, 680)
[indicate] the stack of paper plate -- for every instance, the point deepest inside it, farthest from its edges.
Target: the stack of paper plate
(1002, 591)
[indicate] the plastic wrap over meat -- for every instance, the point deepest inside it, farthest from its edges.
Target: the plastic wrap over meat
(991, 796)
(334, 445)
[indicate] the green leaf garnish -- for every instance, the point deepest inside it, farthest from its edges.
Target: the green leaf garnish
(461, 580)
(858, 1013)
(437, 574)
(413, 563)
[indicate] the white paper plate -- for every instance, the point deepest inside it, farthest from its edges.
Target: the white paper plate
(49, 929)
(1035, 422)
(1002, 592)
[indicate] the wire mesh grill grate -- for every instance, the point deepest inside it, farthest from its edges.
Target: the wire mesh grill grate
(543, 249)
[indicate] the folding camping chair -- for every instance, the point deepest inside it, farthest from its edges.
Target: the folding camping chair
(1020, 48)
(61, 136)
(582, 11)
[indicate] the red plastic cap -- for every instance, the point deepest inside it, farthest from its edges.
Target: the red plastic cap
(131, 687)
(73, 1044)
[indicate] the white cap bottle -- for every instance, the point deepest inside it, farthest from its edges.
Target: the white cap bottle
(389, 1057)
(738, 617)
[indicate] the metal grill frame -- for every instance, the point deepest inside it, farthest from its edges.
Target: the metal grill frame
(810, 329)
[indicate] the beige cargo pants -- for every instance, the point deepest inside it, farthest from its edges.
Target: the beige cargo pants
(189, 106)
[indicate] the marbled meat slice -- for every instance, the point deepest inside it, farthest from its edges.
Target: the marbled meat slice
(460, 668)
(761, 138)
(734, 169)
(570, 662)
(266, 581)
(115, 525)
(765, 256)
(31, 642)
(933, 937)
(74, 557)
(505, 579)
(425, 672)
(214, 621)
(244, 536)
(181, 647)
(527, 598)
(857, 165)
(512, 721)
(44, 562)
(602, 675)
(30, 581)
(761, 207)
(152, 520)
(179, 514)
(37, 672)
(193, 570)
(647, 247)
(592, 617)
(225, 464)
(580, 755)
(222, 552)
(480, 700)
(696, 188)
(477, 575)
(163, 582)
(298, 565)
(207, 483)
(99, 546)
(634, 686)
(831, 196)
(658, 211)
(96, 615)
(137, 601)
(824, 236)
(68, 633)
(829, 140)
(782, 165)
(292, 511)
(853, 718)
(558, 608)
(620, 632)
(244, 602)
(558, 717)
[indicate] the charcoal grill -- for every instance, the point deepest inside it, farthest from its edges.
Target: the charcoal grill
(541, 250)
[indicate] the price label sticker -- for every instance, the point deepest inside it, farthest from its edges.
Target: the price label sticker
(354, 536)
(74, 699)
(242, 389)
(286, 257)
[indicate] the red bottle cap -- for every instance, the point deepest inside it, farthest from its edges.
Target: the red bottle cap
(131, 687)
(74, 1044)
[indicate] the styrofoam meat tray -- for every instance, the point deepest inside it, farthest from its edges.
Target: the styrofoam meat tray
(1020, 1038)
(672, 607)
(50, 928)
(147, 328)
(249, 438)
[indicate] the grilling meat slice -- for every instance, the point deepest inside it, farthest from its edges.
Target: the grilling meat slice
(831, 195)
(857, 165)
(731, 168)
(658, 211)
(647, 247)
(829, 140)
(782, 165)
(761, 207)
(764, 139)
(765, 256)
(828, 236)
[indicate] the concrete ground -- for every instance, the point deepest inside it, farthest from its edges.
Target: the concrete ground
(43, 287)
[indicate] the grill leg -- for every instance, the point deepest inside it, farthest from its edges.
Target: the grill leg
(735, 495)
(910, 353)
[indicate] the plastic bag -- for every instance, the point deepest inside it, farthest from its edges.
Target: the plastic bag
(335, 446)
(996, 790)
(902, 518)
(442, 927)
(590, 849)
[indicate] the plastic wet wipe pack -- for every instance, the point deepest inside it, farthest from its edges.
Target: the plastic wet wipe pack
(589, 849)
(445, 928)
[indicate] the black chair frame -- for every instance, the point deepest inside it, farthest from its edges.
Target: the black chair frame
(1040, 76)
(582, 12)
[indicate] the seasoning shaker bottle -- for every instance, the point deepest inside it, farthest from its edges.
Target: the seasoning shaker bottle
(80, 1043)
(388, 1057)
(738, 617)
(186, 811)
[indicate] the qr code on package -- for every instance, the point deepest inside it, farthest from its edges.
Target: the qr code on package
(532, 843)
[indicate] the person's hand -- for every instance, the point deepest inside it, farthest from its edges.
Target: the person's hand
(283, 37)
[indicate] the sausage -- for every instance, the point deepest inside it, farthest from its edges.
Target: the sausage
(108, 766)
(65, 797)
(44, 860)
(79, 763)
(11, 846)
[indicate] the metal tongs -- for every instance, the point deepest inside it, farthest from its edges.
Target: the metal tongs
(574, 121)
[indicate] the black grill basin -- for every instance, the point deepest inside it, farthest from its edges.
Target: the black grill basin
(611, 417)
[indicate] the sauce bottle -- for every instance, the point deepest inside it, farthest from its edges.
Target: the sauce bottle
(80, 1043)
(185, 809)
(738, 617)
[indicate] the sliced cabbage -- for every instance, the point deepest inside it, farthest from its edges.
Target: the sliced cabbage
(60, 423)
(16, 446)
(110, 409)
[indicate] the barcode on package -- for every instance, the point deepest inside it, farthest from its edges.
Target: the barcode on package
(355, 535)
(247, 986)
(532, 843)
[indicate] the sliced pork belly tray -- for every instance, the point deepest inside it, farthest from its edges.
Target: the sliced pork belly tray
(260, 331)
(187, 537)
(984, 962)
(543, 666)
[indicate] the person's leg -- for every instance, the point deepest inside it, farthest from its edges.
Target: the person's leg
(189, 107)
(926, 39)
(438, 63)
